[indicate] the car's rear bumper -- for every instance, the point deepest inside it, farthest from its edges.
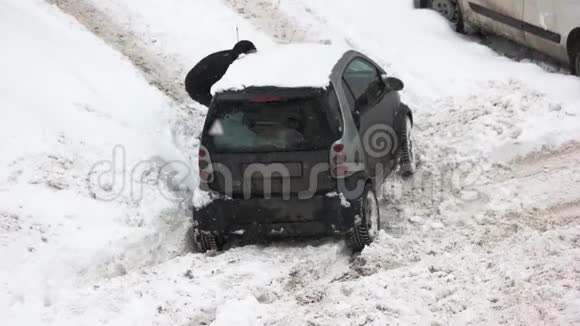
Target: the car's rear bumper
(322, 215)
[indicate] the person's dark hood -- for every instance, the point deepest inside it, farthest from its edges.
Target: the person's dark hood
(243, 47)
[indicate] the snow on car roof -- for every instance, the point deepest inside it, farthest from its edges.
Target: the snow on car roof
(293, 65)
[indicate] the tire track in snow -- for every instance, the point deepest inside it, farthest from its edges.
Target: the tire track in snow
(156, 68)
(162, 76)
(267, 16)
(171, 239)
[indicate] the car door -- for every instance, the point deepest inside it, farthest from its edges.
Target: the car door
(541, 27)
(375, 110)
(501, 17)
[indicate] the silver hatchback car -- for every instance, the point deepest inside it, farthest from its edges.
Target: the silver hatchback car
(284, 159)
(549, 26)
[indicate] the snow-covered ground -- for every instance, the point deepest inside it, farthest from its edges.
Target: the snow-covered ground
(486, 233)
(67, 101)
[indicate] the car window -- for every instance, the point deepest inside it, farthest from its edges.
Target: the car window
(359, 74)
(349, 95)
(334, 117)
(351, 103)
(298, 124)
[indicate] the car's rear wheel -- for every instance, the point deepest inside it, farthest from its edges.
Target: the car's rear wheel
(366, 222)
(451, 11)
(408, 159)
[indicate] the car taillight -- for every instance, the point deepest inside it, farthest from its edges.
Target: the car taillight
(202, 152)
(204, 165)
(338, 161)
(338, 148)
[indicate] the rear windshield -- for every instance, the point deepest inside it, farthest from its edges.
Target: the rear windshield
(297, 124)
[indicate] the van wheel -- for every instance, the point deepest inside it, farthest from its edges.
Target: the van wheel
(451, 11)
(205, 241)
(408, 160)
(366, 221)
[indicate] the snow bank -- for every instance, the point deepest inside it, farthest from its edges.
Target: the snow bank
(67, 101)
(295, 65)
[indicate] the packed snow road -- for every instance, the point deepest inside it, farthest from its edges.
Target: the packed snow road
(487, 232)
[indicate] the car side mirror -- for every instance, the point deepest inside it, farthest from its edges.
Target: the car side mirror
(392, 83)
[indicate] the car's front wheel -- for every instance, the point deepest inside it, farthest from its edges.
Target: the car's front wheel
(366, 221)
(451, 11)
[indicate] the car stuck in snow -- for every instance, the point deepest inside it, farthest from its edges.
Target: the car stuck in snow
(296, 141)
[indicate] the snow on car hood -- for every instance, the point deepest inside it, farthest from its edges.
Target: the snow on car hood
(295, 65)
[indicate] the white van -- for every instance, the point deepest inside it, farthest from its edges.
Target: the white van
(549, 26)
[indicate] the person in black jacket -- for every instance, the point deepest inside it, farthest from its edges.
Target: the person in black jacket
(211, 69)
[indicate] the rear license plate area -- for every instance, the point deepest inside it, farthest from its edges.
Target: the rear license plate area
(271, 171)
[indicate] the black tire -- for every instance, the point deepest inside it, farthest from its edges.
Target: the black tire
(575, 59)
(366, 228)
(408, 159)
(205, 241)
(451, 10)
